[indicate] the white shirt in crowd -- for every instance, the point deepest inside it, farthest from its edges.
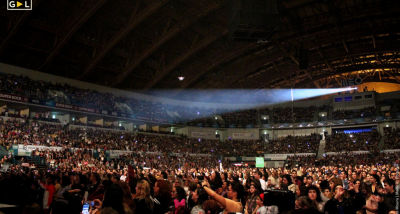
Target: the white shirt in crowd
(263, 184)
(274, 181)
(268, 210)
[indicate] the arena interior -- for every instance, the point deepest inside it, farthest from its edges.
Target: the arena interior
(199, 107)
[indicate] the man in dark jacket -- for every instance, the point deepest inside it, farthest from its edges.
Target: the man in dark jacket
(389, 198)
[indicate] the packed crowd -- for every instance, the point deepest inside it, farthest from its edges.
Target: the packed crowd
(367, 141)
(36, 132)
(392, 138)
(46, 93)
(354, 114)
(244, 118)
(166, 184)
(343, 158)
(286, 115)
(32, 132)
(275, 115)
(294, 144)
(281, 115)
(170, 174)
(205, 122)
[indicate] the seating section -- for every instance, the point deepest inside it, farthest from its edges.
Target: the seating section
(367, 141)
(50, 94)
(391, 138)
(32, 132)
(297, 144)
(354, 114)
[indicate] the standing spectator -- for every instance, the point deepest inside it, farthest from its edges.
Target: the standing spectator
(235, 196)
(287, 183)
(251, 202)
(199, 197)
(339, 204)
(389, 198)
(179, 196)
(258, 176)
(143, 201)
(162, 196)
(314, 195)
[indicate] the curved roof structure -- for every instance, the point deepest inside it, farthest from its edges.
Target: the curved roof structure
(136, 45)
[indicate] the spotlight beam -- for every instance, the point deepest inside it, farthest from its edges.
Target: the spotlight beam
(205, 103)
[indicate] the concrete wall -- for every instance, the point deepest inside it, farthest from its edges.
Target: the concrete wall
(381, 126)
(3, 108)
(128, 126)
(243, 134)
(165, 129)
(360, 103)
(144, 127)
(99, 122)
(155, 128)
(83, 120)
(181, 131)
(64, 118)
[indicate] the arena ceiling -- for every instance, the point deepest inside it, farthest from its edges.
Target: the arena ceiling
(147, 44)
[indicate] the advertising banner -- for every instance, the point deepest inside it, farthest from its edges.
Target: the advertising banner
(13, 97)
(260, 162)
(118, 153)
(275, 156)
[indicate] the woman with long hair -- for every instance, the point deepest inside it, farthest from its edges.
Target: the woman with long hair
(314, 194)
(143, 201)
(246, 180)
(179, 195)
(162, 196)
(374, 183)
(216, 181)
(199, 196)
(111, 203)
(129, 205)
(287, 183)
(251, 202)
